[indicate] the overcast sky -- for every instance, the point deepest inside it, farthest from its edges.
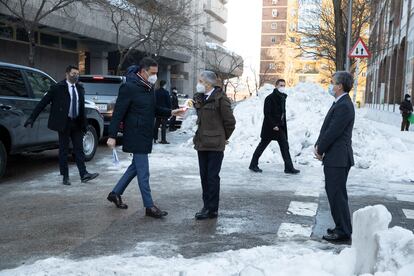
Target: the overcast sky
(244, 29)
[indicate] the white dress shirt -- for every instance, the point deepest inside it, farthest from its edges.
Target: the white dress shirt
(337, 99)
(208, 94)
(77, 98)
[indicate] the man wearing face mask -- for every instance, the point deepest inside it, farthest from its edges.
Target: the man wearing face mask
(406, 109)
(136, 107)
(334, 149)
(68, 118)
(162, 99)
(215, 123)
(274, 128)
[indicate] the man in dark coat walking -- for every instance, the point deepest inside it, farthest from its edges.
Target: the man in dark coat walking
(68, 118)
(136, 107)
(334, 149)
(406, 108)
(162, 99)
(174, 105)
(274, 128)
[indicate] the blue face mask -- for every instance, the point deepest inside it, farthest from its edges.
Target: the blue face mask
(331, 90)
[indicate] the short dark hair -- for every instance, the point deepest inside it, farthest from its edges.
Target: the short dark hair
(162, 83)
(345, 78)
(146, 63)
(279, 81)
(70, 67)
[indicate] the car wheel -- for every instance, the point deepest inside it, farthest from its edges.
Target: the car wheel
(3, 159)
(90, 143)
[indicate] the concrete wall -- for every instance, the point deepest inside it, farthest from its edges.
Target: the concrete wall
(52, 61)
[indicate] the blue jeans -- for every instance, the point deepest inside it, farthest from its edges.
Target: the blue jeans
(140, 168)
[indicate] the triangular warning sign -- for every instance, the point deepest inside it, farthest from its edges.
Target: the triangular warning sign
(360, 50)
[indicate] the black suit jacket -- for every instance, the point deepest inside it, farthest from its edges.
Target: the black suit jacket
(335, 138)
(274, 115)
(59, 98)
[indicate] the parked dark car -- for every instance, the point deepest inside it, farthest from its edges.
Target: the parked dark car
(21, 88)
(103, 91)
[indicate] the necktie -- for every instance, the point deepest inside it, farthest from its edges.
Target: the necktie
(74, 103)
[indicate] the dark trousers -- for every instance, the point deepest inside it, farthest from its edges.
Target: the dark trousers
(74, 133)
(405, 125)
(172, 123)
(284, 149)
(161, 121)
(209, 163)
(335, 186)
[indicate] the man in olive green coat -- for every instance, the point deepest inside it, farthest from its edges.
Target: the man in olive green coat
(215, 123)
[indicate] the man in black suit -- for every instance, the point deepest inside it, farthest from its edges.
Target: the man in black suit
(68, 118)
(162, 99)
(334, 149)
(274, 128)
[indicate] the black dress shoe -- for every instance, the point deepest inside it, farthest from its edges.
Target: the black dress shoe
(155, 212)
(206, 214)
(336, 238)
(292, 171)
(89, 176)
(330, 230)
(164, 142)
(255, 169)
(117, 200)
(66, 181)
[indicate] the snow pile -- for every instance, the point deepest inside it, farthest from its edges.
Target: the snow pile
(384, 252)
(381, 149)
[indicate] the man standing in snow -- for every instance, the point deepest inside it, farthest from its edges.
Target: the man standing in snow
(334, 149)
(274, 128)
(406, 108)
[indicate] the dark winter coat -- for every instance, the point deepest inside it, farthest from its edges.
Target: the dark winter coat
(162, 98)
(406, 107)
(174, 101)
(215, 121)
(59, 98)
(135, 106)
(274, 116)
(335, 138)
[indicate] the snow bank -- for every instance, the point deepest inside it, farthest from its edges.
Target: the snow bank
(376, 250)
(382, 149)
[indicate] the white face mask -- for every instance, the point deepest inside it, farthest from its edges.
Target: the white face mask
(200, 88)
(282, 89)
(331, 90)
(152, 79)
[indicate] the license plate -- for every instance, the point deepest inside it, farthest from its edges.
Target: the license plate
(102, 107)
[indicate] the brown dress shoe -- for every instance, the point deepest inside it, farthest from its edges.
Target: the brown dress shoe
(117, 200)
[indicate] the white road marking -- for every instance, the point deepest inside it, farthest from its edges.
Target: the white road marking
(303, 208)
(409, 213)
(401, 197)
(288, 230)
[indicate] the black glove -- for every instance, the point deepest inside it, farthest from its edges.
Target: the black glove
(28, 123)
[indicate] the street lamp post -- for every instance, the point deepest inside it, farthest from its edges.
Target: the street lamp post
(348, 36)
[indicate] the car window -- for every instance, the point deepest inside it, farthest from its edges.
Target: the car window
(12, 83)
(107, 89)
(40, 83)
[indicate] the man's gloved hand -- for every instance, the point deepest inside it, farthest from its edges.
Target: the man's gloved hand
(29, 122)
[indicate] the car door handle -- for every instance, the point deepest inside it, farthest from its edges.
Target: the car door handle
(5, 107)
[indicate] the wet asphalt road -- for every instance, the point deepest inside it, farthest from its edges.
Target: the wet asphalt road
(42, 218)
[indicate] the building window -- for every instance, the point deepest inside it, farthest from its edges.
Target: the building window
(6, 31)
(21, 35)
(274, 26)
(272, 66)
(49, 40)
(293, 39)
(275, 13)
(273, 39)
(69, 44)
(274, 2)
(292, 27)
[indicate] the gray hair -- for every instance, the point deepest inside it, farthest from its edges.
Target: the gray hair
(209, 77)
(345, 78)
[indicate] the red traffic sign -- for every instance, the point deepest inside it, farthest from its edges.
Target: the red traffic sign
(360, 50)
